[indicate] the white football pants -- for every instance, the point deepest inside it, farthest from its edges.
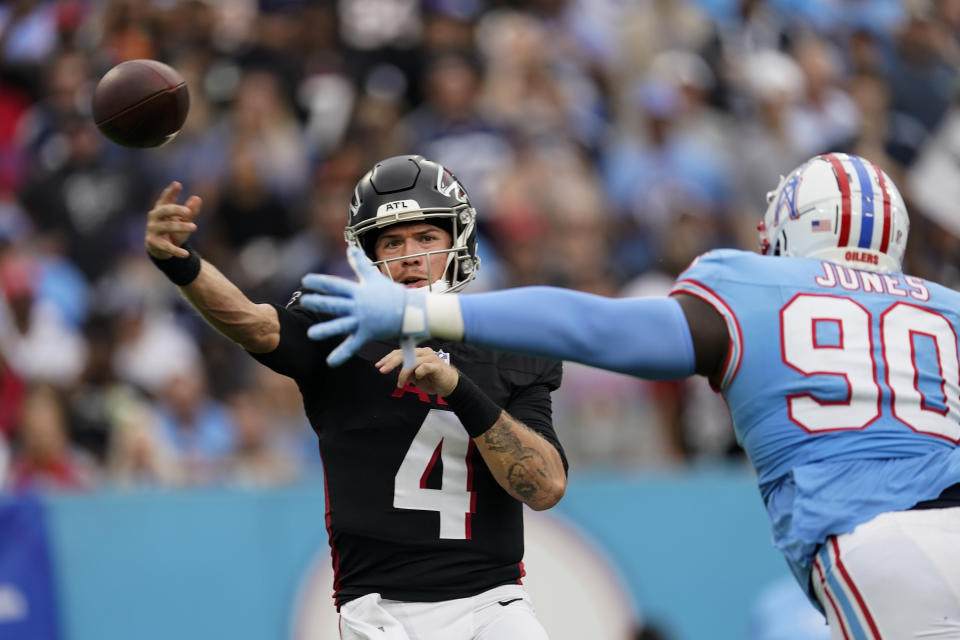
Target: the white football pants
(502, 613)
(895, 577)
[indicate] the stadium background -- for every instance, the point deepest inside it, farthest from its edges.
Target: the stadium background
(604, 142)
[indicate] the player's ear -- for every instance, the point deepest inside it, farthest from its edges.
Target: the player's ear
(708, 330)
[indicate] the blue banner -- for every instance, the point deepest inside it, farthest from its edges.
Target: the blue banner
(27, 600)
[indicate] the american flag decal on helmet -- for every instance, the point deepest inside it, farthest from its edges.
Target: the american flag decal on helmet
(821, 225)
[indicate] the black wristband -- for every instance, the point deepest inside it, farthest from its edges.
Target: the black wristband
(180, 271)
(475, 409)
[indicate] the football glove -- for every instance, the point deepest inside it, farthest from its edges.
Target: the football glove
(375, 308)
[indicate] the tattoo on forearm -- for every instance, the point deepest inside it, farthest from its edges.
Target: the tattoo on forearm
(526, 466)
(521, 482)
(500, 438)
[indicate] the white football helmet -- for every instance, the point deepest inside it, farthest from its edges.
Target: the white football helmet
(837, 207)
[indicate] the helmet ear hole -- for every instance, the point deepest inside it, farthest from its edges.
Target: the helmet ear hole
(368, 242)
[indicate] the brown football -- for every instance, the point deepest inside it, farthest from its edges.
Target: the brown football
(141, 103)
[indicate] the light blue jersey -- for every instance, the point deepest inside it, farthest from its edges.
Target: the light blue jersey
(843, 385)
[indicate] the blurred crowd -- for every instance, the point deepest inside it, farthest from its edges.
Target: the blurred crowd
(605, 143)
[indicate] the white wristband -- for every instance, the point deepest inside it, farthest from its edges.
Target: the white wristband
(444, 318)
(414, 320)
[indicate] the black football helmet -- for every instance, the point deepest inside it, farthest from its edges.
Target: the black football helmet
(412, 188)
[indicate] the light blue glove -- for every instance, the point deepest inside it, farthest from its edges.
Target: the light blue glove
(371, 309)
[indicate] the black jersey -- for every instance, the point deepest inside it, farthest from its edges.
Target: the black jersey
(413, 512)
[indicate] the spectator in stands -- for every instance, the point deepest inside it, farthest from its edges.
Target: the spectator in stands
(258, 458)
(825, 116)
(196, 427)
(922, 82)
(36, 342)
(279, 399)
(138, 456)
(449, 125)
(43, 457)
(83, 201)
(150, 346)
(263, 123)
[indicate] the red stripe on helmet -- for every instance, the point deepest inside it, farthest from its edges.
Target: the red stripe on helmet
(885, 242)
(844, 183)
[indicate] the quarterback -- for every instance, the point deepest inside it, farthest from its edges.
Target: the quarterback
(426, 479)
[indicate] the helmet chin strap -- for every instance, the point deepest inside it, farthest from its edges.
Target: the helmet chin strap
(441, 285)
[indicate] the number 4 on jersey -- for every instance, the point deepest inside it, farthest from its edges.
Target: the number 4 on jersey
(441, 437)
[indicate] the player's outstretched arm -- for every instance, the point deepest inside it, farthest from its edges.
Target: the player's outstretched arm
(255, 327)
(644, 337)
(523, 462)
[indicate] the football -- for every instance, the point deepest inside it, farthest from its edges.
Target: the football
(141, 103)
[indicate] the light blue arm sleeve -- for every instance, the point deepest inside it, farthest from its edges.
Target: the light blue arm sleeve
(644, 337)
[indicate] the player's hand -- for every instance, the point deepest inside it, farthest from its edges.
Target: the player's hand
(170, 224)
(372, 309)
(430, 373)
